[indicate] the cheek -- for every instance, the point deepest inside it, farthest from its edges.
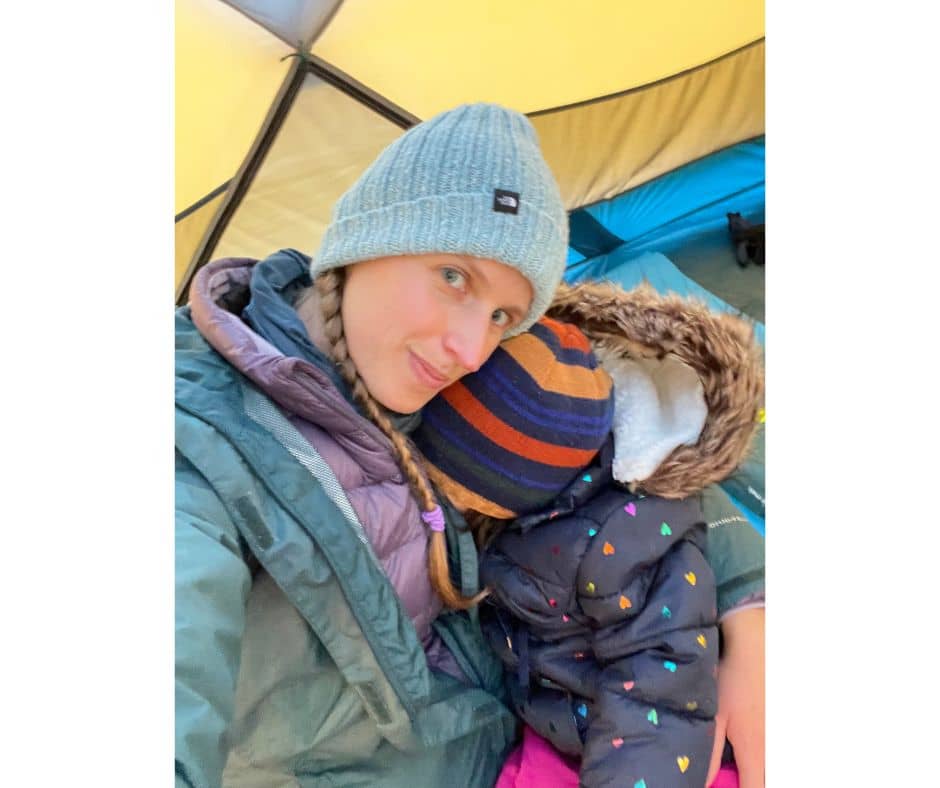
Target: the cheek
(380, 327)
(413, 310)
(404, 316)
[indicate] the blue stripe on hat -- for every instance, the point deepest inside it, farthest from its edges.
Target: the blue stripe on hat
(504, 390)
(481, 450)
(571, 356)
(565, 354)
(482, 481)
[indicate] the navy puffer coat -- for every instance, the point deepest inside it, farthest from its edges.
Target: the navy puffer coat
(603, 611)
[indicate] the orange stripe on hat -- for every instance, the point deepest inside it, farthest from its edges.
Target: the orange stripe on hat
(536, 358)
(495, 429)
(568, 335)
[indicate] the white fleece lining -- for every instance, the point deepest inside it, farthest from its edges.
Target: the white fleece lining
(658, 405)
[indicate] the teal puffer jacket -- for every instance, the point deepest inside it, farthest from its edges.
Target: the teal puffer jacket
(295, 663)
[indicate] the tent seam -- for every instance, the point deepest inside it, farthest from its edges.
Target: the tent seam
(646, 85)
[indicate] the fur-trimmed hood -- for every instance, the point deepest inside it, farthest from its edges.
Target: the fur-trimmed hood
(721, 348)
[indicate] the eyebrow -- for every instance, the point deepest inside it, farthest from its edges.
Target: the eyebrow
(515, 311)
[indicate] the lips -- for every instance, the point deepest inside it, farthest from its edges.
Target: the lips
(427, 374)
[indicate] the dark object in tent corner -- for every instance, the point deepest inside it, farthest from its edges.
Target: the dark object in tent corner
(748, 240)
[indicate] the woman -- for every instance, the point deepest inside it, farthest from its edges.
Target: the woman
(313, 646)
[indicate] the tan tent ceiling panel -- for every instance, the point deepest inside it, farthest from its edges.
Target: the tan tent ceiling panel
(427, 55)
(600, 149)
(327, 140)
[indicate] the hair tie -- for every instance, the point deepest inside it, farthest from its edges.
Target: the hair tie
(434, 518)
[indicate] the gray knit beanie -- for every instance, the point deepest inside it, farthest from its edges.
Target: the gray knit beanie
(470, 181)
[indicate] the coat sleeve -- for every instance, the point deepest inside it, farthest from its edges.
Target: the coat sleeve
(734, 549)
(212, 585)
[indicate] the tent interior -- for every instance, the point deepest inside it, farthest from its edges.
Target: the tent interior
(651, 116)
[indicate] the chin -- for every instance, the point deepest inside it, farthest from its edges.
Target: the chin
(403, 402)
(410, 405)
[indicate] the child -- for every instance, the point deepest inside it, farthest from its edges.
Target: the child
(602, 605)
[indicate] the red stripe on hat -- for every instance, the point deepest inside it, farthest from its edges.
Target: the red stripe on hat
(499, 432)
(567, 334)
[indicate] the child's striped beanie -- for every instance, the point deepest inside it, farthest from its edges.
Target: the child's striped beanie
(508, 438)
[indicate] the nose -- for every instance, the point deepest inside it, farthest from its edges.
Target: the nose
(467, 341)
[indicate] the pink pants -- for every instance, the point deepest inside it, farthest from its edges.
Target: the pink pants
(536, 764)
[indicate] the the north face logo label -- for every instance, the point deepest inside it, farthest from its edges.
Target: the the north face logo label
(505, 202)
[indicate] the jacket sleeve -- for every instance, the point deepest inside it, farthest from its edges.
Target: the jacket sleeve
(652, 719)
(212, 585)
(734, 549)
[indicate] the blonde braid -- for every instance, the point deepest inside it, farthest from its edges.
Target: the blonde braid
(330, 287)
(484, 528)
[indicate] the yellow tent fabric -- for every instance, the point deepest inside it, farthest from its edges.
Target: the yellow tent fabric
(426, 55)
(619, 91)
(228, 70)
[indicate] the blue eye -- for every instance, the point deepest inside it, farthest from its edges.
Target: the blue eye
(453, 277)
(500, 317)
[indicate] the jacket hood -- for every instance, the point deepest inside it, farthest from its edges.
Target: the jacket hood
(219, 299)
(643, 326)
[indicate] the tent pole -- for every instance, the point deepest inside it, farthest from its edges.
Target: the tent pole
(246, 173)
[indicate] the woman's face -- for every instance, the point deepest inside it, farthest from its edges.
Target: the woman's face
(416, 324)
